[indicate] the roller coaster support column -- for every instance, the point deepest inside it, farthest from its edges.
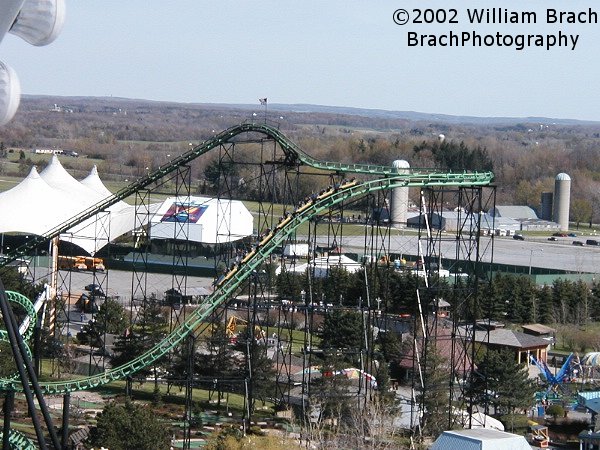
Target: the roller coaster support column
(26, 373)
(128, 386)
(246, 419)
(189, 386)
(37, 334)
(65, 420)
(9, 403)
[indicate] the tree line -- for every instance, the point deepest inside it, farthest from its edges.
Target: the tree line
(510, 298)
(123, 137)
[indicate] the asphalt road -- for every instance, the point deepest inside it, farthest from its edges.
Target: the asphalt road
(537, 252)
(119, 283)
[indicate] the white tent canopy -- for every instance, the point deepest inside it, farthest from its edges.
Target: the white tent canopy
(58, 178)
(94, 182)
(43, 201)
(31, 206)
(480, 420)
(201, 219)
(322, 265)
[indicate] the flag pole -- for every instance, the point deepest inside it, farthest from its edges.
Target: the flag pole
(264, 102)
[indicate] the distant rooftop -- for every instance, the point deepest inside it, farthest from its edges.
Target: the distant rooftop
(513, 212)
(510, 338)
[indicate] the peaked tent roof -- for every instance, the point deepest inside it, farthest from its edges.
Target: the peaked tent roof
(80, 196)
(30, 206)
(96, 232)
(93, 182)
(56, 176)
(43, 201)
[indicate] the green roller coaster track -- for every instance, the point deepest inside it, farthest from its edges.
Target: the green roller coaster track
(235, 279)
(293, 156)
(25, 303)
(19, 441)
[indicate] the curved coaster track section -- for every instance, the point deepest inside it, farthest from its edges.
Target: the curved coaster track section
(294, 156)
(18, 441)
(239, 274)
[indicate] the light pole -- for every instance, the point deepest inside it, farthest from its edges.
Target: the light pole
(531, 256)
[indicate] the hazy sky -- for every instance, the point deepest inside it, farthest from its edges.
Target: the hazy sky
(339, 53)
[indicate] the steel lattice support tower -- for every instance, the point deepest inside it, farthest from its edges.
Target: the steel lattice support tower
(279, 176)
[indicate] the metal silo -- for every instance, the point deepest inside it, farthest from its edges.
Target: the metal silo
(546, 207)
(399, 204)
(562, 200)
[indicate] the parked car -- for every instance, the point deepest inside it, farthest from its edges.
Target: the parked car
(95, 290)
(580, 243)
(572, 234)
(518, 237)
(559, 234)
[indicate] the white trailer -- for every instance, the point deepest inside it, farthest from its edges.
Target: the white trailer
(295, 250)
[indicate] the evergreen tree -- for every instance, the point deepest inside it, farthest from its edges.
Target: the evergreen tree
(127, 347)
(526, 307)
(289, 285)
(180, 364)
(563, 296)
(110, 318)
(129, 427)
(338, 284)
(17, 282)
(502, 383)
(218, 361)
(390, 345)
(545, 305)
(148, 330)
(493, 300)
(434, 396)
(511, 298)
(261, 380)
(581, 303)
(381, 372)
(330, 392)
(595, 301)
(343, 330)
(456, 157)
(403, 288)
(217, 169)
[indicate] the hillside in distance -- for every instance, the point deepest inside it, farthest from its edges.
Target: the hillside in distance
(305, 113)
(125, 136)
(416, 116)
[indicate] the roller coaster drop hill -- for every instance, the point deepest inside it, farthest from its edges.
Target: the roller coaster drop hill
(388, 178)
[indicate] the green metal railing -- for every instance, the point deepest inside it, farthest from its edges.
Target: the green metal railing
(19, 441)
(231, 285)
(25, 303)
(294, 155)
